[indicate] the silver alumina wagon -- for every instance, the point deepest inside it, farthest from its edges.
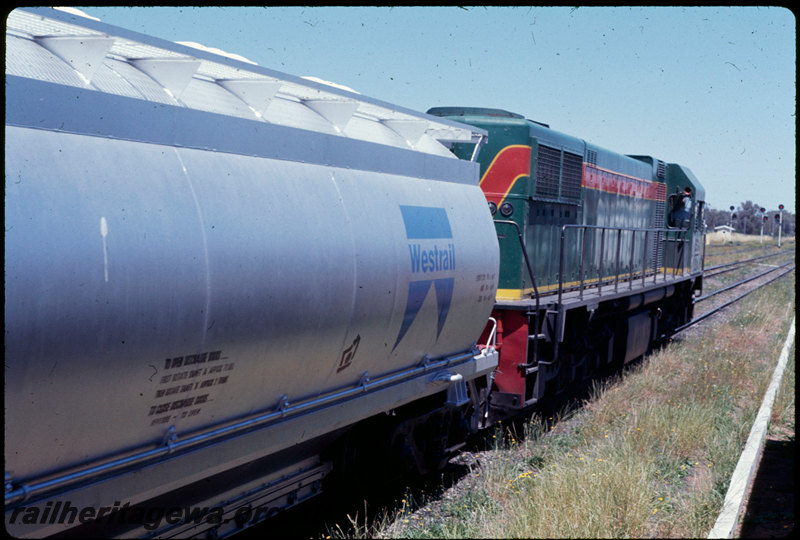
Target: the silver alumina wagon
(212, 271)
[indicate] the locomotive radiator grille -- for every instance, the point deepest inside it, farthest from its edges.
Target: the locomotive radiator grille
(559, 174)
(571, 176)
(548, 171)
(657, 248)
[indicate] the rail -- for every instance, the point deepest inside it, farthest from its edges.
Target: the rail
(727, 267)
(733, 301)
(654, 246)
(746, 280)
(536, 324)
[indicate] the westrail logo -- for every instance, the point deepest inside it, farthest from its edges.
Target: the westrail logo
(432, 257)
(432, 260)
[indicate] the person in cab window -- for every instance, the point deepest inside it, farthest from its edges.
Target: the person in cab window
(683, 209)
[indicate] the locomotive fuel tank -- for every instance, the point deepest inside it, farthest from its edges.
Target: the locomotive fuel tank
(199, 275)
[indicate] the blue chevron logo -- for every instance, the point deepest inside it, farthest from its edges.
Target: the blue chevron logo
(426, 228)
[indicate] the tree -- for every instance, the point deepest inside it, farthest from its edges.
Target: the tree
(749, 219)
(715, 218)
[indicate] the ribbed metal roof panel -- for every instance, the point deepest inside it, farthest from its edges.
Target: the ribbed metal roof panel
(54, 46)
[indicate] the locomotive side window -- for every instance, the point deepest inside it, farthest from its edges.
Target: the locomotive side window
(698, 220)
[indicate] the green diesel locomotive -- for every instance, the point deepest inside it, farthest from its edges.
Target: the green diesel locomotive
(601, 253)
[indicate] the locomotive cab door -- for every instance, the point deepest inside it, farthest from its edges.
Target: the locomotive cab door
(698, 234)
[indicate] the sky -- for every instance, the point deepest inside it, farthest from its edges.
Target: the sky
(711, 88)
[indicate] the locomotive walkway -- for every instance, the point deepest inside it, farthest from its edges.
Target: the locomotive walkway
(591, 293)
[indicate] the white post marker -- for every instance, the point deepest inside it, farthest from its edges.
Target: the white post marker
(748, 462)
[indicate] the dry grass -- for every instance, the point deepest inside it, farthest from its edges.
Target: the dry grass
(724, 238)
(649, 455)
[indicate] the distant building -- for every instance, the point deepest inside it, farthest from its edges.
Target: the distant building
(724, 233)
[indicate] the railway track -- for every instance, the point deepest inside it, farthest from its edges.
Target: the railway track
(774, 273)
(728, 267)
